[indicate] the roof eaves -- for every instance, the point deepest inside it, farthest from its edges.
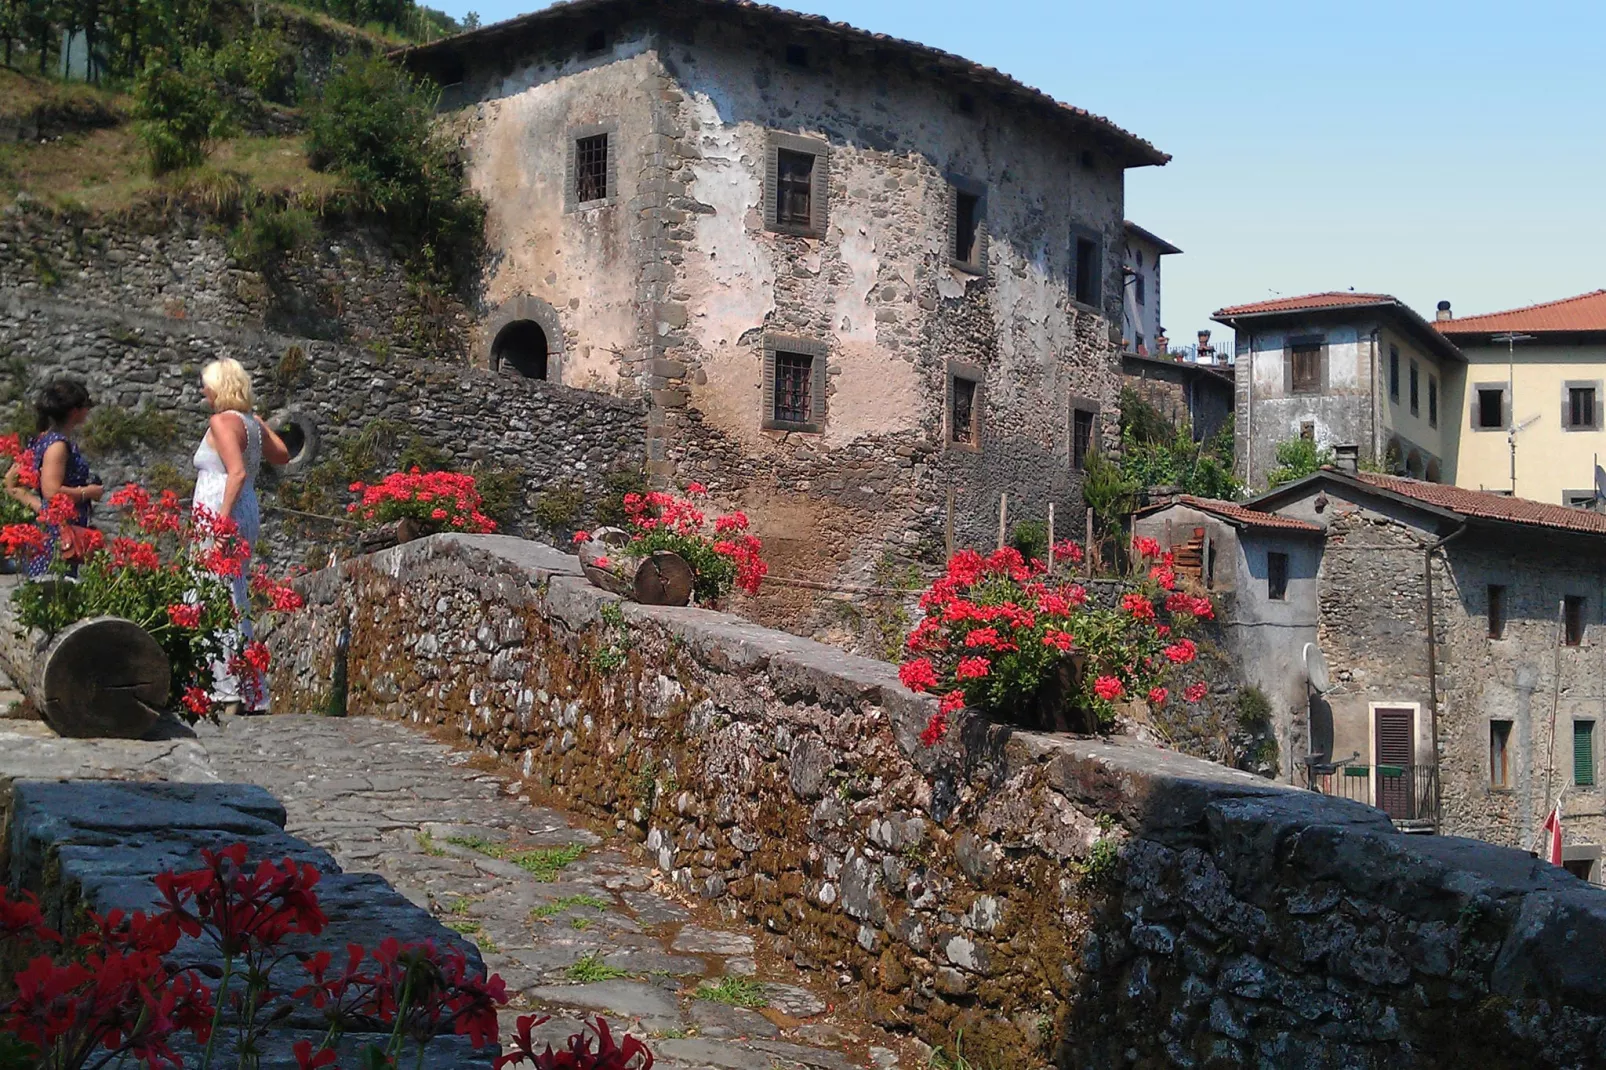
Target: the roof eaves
(1137, 152)
(1151, 237)
(1268, 501)
(1434, 340)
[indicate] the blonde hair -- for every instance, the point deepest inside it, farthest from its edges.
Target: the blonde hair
(230, 385)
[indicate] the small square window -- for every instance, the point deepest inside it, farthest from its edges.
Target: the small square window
(1276, 576)
(1087, 159)
(1416, 391)
(1572, 613)
(1490, 411)
(794, 384)
(963, 411)
(1307, 430)
(967, 223)
(793, 371)
(596, 41)
(1499, 754)
(1581, 405)
(1138, 288)
(1497, 611)
(1584, 753)
(795, 186)
(1081, 437)
(967, 104)
(794, 172)
(1394, 373)
(1433, 401)
(1306, 374)
(1088, 268)
(797, 56)
(591, 168)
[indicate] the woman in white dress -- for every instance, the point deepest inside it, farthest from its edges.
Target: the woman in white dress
(234, 446)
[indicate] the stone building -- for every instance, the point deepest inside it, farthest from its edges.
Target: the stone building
(1142, 329)
(866, 287)
(1344, 368)
(1196, 396)
(1536, 387)
(1461, 633)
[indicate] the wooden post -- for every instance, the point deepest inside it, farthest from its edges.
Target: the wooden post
(1051, 538)
(1092, 547)
(949, 528)
(1003, 514)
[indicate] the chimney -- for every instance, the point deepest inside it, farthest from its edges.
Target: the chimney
(1346, 458)
(1443, 313)
(1205, 354)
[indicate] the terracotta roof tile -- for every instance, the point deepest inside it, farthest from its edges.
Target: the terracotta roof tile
(1586, 312)
(1138, 151)
(1237, 514)
(1481, 504)
(1307, 302)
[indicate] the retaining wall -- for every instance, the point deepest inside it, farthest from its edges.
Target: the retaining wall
(1093, 901)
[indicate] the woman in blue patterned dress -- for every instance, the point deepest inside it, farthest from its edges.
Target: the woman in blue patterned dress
(62, 407)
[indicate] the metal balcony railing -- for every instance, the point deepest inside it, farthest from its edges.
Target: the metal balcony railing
(1403, 792)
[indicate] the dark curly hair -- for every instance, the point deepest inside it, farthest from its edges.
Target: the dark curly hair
(59, 398)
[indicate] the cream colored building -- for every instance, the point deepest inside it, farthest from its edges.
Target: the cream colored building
(1531, 420)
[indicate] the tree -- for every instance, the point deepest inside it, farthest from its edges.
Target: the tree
(1296, 459)
(180, 110)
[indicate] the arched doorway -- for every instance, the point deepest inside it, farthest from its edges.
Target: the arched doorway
(522, 346)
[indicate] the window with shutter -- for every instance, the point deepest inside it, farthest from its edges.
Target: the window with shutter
(795, 185)
(1416, 391)
(1499, 754)
(1395, 748)
(1584, 753)
(794, 384)
(1394, 372)
(1306, 362)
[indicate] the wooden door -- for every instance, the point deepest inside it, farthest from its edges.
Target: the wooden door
(1395, 749)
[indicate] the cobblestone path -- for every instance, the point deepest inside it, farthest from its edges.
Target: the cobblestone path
(574, 924)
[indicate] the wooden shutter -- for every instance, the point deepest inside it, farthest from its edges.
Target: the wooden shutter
(772, 192)
(1396, 750)
(1584, 753)
(819, 195)
(817, 393)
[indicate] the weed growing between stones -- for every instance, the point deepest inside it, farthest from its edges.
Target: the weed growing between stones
(112, 427)
(543, 863)
(427, 844)
(940, 1059)
(548, 911)
(589, 969)
(614, 643)
(1102, 863)
(559, 505)
(734, 992)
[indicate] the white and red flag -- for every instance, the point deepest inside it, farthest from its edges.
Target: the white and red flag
(1552, 831)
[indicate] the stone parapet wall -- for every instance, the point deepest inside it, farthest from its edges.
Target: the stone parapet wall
(549, 436)
(1094, 902)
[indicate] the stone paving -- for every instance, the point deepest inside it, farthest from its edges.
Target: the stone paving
(574, 924)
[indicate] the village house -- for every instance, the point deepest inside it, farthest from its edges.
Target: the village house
(1142, 329)
(1196, 396)
(1433, 651)
(867, 287)
(1341, 368)
(1532, 424)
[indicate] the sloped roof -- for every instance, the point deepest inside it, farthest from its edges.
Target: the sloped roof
(1134, 151)
(1150, 236)
(1585, 312)
(1456, 502)
(1482, 504)
(1236, 514)
(1306, 303)
(1385, 305)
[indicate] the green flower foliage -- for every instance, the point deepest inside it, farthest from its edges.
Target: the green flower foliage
(179, 109)
(1296, 459)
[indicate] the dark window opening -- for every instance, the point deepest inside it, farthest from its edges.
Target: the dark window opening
(1138, 287)
(1276, 576)
(1581, 868)
(797, 56)
(1584, 753)
(596, 41)
(450, 69)
(1491, 408)
(1087, 271)
(967, 220)
(1416, 389)
(794, 176)
(1307, 371)
(1580, 499)
(962, 411)
(1573, 619)
(522, 345)
(793, 374)
(1210, 566)
(1394, 373)
(1081, 437)
(967, 104)
(1140, 348)
(1581, 406)
(1087, 159)
(1497, 611)
(1499, 754)
(1307, 430)
(591, 168)
(1433, 401)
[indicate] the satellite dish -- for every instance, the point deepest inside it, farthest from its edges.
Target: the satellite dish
(1316, 669)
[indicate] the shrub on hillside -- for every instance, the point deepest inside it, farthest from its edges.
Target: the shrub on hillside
(1296, 459)
(373, 125)
(179, 111)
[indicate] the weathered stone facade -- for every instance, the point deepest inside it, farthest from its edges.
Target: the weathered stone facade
(1196, 396)
(1095, 902)
(677, 283)
(546, 437)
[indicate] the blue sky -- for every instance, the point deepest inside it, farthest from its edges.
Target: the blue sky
(1424, 148)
